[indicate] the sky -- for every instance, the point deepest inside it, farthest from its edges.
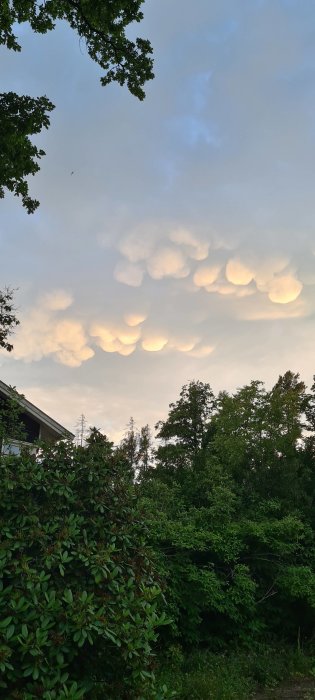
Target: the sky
(183, 245)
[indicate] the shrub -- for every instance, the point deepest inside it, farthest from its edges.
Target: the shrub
(77, 594)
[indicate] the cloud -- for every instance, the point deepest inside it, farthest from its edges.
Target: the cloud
(238, 273)
(59, 300)
(221, 288)
(129, 274)
(266, 311)
(110, 339)
(128, 336)
(154, 343)
(202, 351)
(250, 199)
(195, 248)
(183, 342)
(134, 319)
(138, 244)
(168, 262)
(43, 334)
(103, 334)
(205, 275)
(267, 269)
(284, 289)
(125, 350)
(186, 346)
(70, 340)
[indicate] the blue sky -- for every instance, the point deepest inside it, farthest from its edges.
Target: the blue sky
(183, 245)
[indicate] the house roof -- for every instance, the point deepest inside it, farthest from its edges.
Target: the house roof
(36, 413)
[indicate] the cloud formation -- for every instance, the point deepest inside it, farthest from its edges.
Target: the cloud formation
(154, 343)
(284, 289)
(205, 275)
(43, 334)
(238, 273)
(134, 319)
(194, 247)
(167, 262)
(188, 219)
(129, 274)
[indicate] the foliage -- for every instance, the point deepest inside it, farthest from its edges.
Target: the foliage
(227, 506)
(78, 599)
(11, 424)
(20, 118)
(185, 435)
(8, 319)
(102, 25)
(230, 511)
(136, 448)
(202, 675)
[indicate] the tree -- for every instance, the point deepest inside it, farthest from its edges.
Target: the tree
(78, 595)
(229, 509)
(8, 320)
(20, 118)
(102, 24)
(129, 446)
(145, 451)
(185, 433)
(11, 424)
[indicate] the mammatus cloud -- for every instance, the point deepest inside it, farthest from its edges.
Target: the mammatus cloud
(46, 332)
(168, 262)
(194, 247)
(202, 351)
(69, 343)
(150, 246)
(263, 310)
(139, 244)
(238, 273)
(125, 341)
(43, 334)
(128, 273)
(110, 339)
(134, 319)
(272, 277)
(154, 343)
(58, 300)
(183, 344)
(266, 270)
(205, 275)
(284, 289)
(233, 276)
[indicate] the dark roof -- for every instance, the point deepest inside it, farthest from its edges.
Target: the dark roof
(36, 413)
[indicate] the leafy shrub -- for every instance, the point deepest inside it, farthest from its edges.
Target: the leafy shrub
(77, 594)
(233, 676)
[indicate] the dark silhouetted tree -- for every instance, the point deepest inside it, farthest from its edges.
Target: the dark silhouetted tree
(103, 26)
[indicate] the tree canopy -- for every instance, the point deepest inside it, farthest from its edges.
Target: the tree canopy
(230, 506)
(8, 319)
(219, 518)
(102, 25)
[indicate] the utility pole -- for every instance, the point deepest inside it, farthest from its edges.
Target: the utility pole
(81, 430)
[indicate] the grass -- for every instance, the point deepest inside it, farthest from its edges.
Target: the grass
(235, 676)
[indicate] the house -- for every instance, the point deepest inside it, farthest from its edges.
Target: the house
(37, 425)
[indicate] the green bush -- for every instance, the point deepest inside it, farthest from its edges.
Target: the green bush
(236, 675)
(77, 594)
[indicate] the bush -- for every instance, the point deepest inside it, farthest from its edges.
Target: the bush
(77, 594)
(236, 675)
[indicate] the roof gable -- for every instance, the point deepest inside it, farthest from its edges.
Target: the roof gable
(36, 413)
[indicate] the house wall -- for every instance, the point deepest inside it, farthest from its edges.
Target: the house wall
(47, 435)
